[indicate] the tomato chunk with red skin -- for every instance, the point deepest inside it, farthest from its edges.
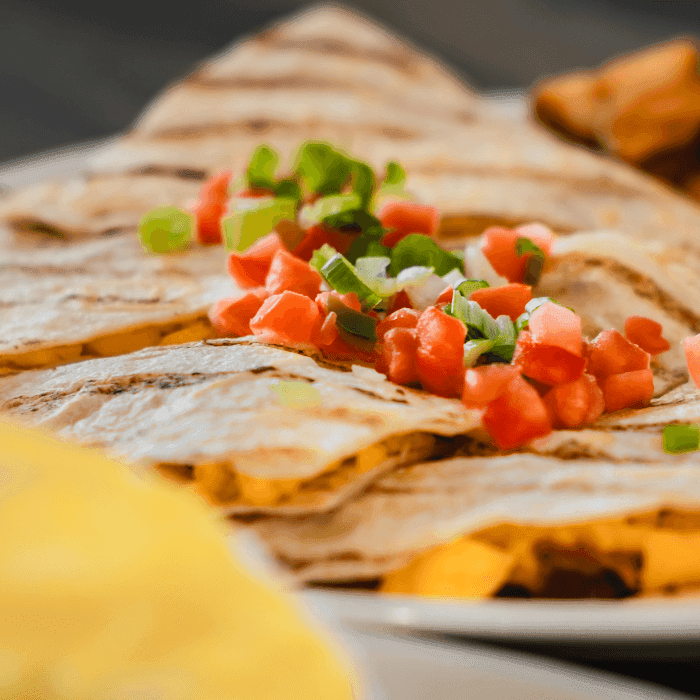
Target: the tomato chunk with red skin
(329, 330)
(646, 333)
(403, 318)
(315, 238)
(350, 299)
(250, 268)
(400, 301)
(288, 273)
(406, 218)
(287, 319)
(254, 193)
(499, 247)
(440, 353)
(691, 345)
(552, 324)
(611, 353)
(397, 357)
(547, 364)
(486, 383)
(517, 416)
(508, 300)
(231, 317)
(575, 404)
(213, 198)
(445, 297)
(628, 390)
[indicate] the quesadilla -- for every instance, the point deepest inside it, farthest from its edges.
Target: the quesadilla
(251, 426)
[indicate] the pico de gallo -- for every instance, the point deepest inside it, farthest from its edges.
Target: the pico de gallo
(335, 259)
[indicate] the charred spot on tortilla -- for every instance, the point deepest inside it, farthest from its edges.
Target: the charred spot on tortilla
(184, 173)
(26, 225)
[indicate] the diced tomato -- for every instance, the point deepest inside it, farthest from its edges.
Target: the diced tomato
(254, 193)
(628, 389)
(486, 383)
(288, 273)
(400, 301)
(445, 297)
(250, 268)
(350, 299)
(508, 300)
(691, 345)
(551, 324)
(211, 206)
(440, 353)
(575, 404)
(517, 416)
(499, 247)
(408, 217)
(611, 353)
(403, 318)
(547, 364)
(315, 238)
(646, 333)
(287, 319)
(232, 316)
(343, 348)
(329, 331)
(397, 358)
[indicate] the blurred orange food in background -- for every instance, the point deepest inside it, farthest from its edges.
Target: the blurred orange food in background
(643, 108)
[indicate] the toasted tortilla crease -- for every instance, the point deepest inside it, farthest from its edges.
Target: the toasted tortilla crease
(611, 512)
(210, 413)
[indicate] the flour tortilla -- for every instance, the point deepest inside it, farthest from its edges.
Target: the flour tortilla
(213, 402)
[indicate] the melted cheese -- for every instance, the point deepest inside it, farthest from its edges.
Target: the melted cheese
(220, 483)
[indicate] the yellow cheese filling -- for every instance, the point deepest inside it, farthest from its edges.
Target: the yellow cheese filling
(110, 345)
(647, 558)
(220, 483)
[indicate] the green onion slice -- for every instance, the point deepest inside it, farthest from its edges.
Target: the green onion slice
(504, 343)
(165, 230)
(245, 225)
(473, 349)
(261, 169)
(466, 287)
(363, 182)
(359, 325)
(322, 169)
(287, 189)
(480, 324)
(681, 438)
(417, 249)
(395, 174)
(533, 268)
(327, 207)
(342, 276)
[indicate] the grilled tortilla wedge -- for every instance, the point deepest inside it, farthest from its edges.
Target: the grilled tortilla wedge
(71, 272)
(252, 426)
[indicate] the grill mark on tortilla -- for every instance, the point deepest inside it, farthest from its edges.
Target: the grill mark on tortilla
(598, 185)
(43, 269)
(374, 395)
(183, 173)
(646, 288)
(401, 59)
(28, 225)
(260, 126)
(113, 299)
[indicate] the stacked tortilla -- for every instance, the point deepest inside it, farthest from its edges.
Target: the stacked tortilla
(328, 462)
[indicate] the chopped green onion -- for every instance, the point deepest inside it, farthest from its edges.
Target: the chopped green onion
(473, 349)
(342, 276)
(369, 267)
(295, 394)
(322, 255)
(479, 323)
(363, 182)
(417, 249)
(328, 207)
(395, 174)
(165, 230)
(352, 321)
(681, 438)
(261, 169)
(377, 250)
(244, 226)
(504, 343)
(287, 189)
(466, 287)
(533, 268)
(322, 169)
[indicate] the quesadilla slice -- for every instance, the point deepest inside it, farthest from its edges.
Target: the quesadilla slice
(522, 524)
(251, 426)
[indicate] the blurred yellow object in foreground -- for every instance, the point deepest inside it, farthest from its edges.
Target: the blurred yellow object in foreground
(115, 588)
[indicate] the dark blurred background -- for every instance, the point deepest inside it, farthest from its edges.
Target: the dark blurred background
(71, 71)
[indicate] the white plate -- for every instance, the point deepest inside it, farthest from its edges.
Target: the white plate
(646, 628)
(411, 669)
